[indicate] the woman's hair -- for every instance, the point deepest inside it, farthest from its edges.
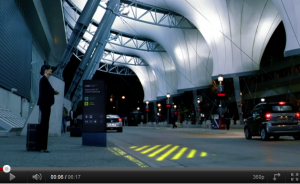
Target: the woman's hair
(43, 68)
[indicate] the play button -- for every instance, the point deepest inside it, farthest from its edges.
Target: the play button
(11, 177)
(15, 176)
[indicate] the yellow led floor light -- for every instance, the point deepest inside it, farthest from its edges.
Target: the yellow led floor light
(150, 149)
(160, 150)
(178, 155)
(141, 148)
(167, 153)
(203, 154)
(191, 154)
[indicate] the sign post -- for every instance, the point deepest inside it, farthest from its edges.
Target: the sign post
(94, 115)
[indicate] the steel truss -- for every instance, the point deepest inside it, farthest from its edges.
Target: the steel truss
(134, 42)
(119, 38)
(116, 56)
(146, 13)
(122, 58)
(106, 67)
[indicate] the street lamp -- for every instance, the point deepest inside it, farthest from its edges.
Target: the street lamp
(147, 110)
(138, 108)
(158, 105)
(220, 89)
(123, 97)
(169, 106)
(175, 106)
(262, 100)
(220, 79)
(198, 101)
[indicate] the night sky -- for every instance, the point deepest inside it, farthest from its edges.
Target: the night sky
(276, 44)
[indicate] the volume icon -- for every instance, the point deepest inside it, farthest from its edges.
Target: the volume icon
(37, 176)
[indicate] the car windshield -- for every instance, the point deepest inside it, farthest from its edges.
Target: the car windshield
(282, 108)
(112, 116)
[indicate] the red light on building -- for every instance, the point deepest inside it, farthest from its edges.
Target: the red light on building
(147, 110)
(175, 112)
(221, 94)
(199, 109)
(168, 106)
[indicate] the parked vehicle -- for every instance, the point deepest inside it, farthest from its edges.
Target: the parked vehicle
(273, 119)
(114, 122)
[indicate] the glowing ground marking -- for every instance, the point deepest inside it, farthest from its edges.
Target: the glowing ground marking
(114, 152)
(136, 161)
(192, 153)
(132, 147)
(178, 155)
(120, 152)
(203, 154)
(160, 150)
(167, 153)
(141, 148)
(150, 149)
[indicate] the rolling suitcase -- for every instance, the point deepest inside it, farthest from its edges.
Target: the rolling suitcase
(32, 137)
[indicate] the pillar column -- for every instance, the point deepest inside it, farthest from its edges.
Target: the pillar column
(169, 112)
(155, 112)
(238, 97)
(196, 105)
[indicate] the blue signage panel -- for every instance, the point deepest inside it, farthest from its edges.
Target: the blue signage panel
(94, 115)
(220, 88)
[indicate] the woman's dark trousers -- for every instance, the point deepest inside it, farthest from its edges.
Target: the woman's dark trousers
(44, 128)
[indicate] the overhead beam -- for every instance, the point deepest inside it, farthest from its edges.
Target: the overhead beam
(41, 14)
(119, 38)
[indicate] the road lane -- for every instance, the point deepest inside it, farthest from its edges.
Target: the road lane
(204, 148)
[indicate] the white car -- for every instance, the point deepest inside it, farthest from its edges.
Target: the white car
(114, 122)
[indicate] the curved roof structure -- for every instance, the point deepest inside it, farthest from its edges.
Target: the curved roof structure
(180, 45)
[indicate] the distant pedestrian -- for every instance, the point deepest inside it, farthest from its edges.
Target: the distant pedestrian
(227, 119)
(125, 121)
(45, 101)
(72, 115)
(64, 119)
(174, 118)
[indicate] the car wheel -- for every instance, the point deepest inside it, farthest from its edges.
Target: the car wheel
(296, 137)
(247, 133)
(264, 134)
(276, 137)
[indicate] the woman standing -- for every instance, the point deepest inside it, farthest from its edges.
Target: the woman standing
(45, 101)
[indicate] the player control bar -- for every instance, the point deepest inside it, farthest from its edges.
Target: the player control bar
(150, 175)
